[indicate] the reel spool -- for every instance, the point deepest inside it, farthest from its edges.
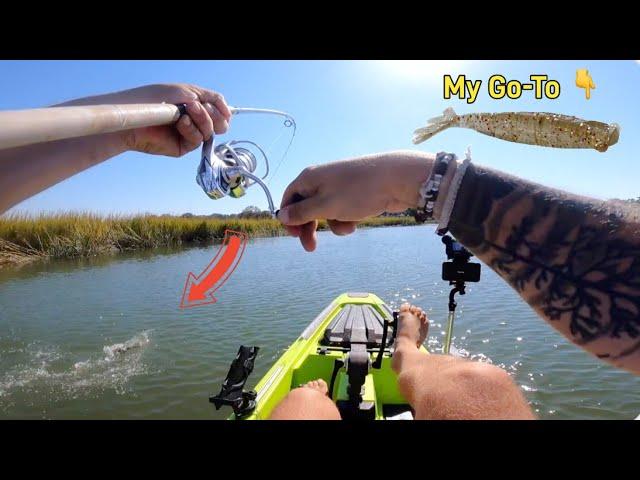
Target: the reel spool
(231, 169)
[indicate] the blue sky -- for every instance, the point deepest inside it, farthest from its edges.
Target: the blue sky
(343, 109)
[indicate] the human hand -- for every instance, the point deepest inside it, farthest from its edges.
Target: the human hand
(207, 113)
(348, 191)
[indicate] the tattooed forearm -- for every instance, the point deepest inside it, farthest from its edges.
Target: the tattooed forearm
(575, 260)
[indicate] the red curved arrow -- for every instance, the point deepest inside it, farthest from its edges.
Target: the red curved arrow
(216, 273)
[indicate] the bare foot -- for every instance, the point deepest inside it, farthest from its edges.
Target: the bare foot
(319, 385)
(413, 324)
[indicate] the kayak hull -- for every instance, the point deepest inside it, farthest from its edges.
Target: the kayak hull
(311, 357)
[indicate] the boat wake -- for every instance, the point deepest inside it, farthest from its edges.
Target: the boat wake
(45, 370)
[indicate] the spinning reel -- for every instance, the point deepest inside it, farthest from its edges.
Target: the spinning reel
(231, 168)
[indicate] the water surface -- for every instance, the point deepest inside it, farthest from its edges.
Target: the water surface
(105, 338)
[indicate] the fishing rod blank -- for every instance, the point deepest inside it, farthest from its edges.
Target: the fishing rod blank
(25, 127)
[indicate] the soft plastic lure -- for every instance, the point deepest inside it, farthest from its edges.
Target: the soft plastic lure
(533, 128)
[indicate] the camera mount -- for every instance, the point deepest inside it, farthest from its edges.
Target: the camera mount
(457, 272)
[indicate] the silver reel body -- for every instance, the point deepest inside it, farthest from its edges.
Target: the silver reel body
(231, 168)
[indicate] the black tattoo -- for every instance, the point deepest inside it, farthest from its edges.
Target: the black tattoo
(583, 271)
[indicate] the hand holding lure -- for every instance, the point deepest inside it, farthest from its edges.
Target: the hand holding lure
(230, 170)
(533, 128)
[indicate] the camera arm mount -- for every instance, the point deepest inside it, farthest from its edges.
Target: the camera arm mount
(458, 288)
(459, 256)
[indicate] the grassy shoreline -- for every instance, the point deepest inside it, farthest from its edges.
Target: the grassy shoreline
(24, 239)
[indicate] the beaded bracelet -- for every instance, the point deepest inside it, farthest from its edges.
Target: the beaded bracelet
(429, 189)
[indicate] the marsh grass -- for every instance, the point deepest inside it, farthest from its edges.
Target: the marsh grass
(24, 238)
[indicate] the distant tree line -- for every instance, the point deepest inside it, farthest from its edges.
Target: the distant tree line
(250, 212)
(254, 212)
(409, 212)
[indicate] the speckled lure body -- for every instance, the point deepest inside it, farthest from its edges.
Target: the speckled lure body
(532, 128)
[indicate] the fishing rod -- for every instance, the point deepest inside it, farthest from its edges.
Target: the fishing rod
(228, 172)
(457, 272)
(25, 127)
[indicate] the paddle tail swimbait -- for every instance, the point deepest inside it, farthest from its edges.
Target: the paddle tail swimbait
(533, 128)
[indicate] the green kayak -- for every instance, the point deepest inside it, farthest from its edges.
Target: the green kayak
(349, 345)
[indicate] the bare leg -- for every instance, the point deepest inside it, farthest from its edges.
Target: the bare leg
(309, 402)
(442, 387)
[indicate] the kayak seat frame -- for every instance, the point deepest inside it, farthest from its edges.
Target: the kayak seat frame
(355, 324)
(359, 329)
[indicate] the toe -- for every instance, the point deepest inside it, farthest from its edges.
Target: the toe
(404, 307)
(321, 386)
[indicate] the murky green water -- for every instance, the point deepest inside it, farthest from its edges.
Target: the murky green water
(61, 324)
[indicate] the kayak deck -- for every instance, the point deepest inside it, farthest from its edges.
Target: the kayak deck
(351, 327)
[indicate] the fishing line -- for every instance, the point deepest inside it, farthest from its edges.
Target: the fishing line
(288, 123)
(284, 155)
